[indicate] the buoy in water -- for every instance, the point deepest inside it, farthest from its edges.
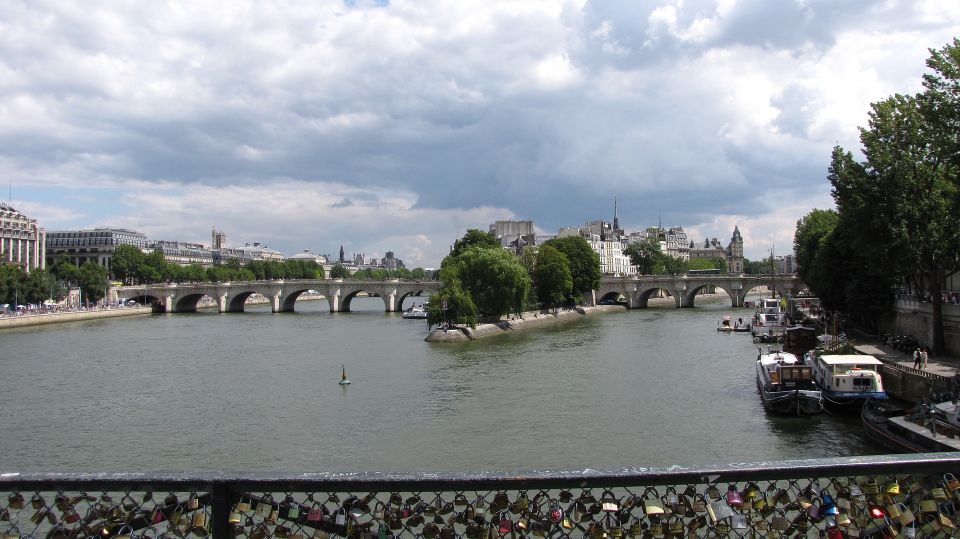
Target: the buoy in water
(343, 377)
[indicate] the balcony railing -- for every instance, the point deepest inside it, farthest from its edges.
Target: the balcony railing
(876, 496)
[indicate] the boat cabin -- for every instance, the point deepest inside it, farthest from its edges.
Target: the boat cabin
(789, 376)
(849, 375)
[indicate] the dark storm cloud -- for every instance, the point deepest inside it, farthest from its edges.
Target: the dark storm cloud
(693, 110)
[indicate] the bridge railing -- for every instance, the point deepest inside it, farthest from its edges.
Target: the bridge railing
(880, 496)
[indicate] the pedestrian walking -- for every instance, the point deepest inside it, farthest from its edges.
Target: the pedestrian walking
(923, 358)
(916, 358)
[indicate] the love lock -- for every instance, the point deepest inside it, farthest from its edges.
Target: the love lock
(608, 502)
(652, 505)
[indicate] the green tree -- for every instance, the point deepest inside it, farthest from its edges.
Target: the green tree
(707, 263)
(338, 271)
(818, 264)
(460, 307)
(93, 281)
(155, 268)
(493, 277)
(126, 262)
(584, 264)
(551, 276)
(645, 255)
(671, 265)
(902, 203)
(10, 284)
(474, 238)
(65, 271)
(810, 236)
(418, 273)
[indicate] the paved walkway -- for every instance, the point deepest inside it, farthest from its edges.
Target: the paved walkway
(943, 365)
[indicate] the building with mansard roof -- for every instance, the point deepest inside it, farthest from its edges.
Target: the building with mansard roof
(92, 245)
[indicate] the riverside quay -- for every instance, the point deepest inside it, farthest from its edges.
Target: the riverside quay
(880, 496)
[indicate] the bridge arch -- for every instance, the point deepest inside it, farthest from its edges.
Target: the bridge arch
(188, 303)
(402, 296)
(236, 303)
(289, 298)
(689, 297)
(347, 299)
(643, 296)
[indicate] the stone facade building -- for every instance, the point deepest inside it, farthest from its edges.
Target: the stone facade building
(96, 245)
(21, 241)
(732, 253)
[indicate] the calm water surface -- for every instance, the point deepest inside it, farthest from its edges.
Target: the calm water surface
(258, 392)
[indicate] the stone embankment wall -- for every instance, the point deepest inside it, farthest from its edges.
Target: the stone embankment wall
(914, 317)
(70, 316)
(528, 320)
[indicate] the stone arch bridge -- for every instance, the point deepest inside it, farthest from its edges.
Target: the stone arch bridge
(684, 288)
(230, 297)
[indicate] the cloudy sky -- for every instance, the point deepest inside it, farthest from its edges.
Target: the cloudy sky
(396, 125)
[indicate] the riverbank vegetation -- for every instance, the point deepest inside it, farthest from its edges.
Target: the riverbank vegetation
(483, 281)
(897, 222)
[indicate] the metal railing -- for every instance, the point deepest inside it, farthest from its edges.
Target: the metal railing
(874, 496)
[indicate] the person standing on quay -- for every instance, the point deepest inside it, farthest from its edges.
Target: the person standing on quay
(916, 358)
(923, 358)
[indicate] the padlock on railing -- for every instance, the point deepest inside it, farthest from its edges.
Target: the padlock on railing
(719, 510)
(733, 497)
(608, 502)
(652, 505)
(951, 482)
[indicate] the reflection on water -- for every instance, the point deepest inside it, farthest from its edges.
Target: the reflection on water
(258, 391)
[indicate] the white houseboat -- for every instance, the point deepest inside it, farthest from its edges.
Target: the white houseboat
(847, 379)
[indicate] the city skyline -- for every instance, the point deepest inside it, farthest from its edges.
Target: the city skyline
(397, 126)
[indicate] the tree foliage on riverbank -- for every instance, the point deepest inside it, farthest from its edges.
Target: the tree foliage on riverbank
(132, 266)
(483, 279)
(650, 260)
(898, 210)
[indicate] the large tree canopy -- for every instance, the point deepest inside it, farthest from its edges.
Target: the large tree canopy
(644, 255)
(494, 278)
(901, 206)
(474, 238)
(584, 264)
(551, 276)
(810, 237)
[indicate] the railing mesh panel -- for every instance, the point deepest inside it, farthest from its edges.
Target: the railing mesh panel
(758, 503)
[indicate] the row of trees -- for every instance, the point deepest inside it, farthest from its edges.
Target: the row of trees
(339, 271)
(482, 280)
(650, 260)
(132, 266)
(19, 287)
(897, 222)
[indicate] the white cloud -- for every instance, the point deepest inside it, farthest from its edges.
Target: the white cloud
(320, 123)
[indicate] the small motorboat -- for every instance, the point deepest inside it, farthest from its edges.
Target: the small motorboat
(415, 312)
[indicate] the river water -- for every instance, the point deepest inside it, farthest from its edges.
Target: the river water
(258, 392)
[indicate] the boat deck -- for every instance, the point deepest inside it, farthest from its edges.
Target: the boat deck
(924, 431)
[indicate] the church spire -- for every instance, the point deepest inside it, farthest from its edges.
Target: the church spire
(616, 219)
